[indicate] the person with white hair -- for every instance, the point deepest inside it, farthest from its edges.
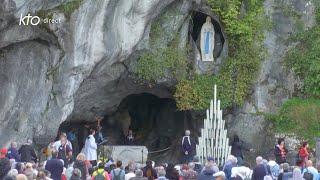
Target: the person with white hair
(207, 173)
(261, 170)
(231, 162)
(13, 152)
(188, 147)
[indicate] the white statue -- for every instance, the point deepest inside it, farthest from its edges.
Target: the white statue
(207, 40)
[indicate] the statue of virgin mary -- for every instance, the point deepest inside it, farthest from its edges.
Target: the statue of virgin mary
(207, 40)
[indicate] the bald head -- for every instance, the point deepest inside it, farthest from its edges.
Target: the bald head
(309, 163)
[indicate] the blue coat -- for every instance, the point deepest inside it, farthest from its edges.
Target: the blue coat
(13, 154)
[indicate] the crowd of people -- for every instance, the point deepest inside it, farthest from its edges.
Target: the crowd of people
(61, 164)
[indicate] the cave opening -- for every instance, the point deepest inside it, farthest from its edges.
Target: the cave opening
(198, 19)
(155, 122)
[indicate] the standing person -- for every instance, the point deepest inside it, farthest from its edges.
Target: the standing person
(4, 167)
(131, 169)
(138, 175)
(188, 147)
(197, 165)
(129, 138)
(98, 136)
(3, 152)
(149, 171)
(286, 173)
(27, 152)
(13, 152)
(90, 148)
(57, 144)
(304, 154)
(162, 174)
(237, 148)
(171, 172)
(100, 173)
(310, 170)
(118, 173)
(55, 166)
(65, 152)
(280, 152)
(80, 164)
(72, 137)
(231, 162)
(297, 175)
(274, 167)
(261, 170)
(207, 173)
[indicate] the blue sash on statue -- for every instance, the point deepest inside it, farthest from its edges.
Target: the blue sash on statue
(206, 42)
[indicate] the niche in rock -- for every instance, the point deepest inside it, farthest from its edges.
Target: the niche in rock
(198, 19)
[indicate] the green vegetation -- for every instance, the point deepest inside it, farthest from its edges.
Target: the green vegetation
(244, 22)
(299, 116)
(165, 59)
(245, 32)
(69, 7)
(304, 60)
(194, 93)
(171, 61)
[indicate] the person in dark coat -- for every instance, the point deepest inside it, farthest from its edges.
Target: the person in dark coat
(280, 152)
(55, 167)
(149, 171)
(231, 162)
(260, 170)
(171, 172)
(4, 167)
(286, 174)
(207, 173)
(27, 152)
(13, 152)
(237, 148)
(188, 147)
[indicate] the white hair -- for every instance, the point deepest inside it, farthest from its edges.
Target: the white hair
(187, 133)
(259, 160)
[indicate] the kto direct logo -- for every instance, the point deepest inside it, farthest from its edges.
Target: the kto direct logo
(35, 20)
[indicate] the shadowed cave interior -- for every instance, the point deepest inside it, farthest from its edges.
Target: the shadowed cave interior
(155, 122)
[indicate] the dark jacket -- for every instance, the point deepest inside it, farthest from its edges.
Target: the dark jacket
(153, 172)
(188, 146)
(285, 176)
(198, 167)
(13, 154)
(227, 169)
(172, 174)
(237, 148)
(206, 175)
(277, 153)
(55, 166)
(27, 153)
(260, 171)
(82, 167)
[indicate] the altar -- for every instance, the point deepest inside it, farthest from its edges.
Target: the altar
(138, 154)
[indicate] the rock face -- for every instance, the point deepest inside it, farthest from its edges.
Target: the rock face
(274, 84)
(81, 66)
(45, 74)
